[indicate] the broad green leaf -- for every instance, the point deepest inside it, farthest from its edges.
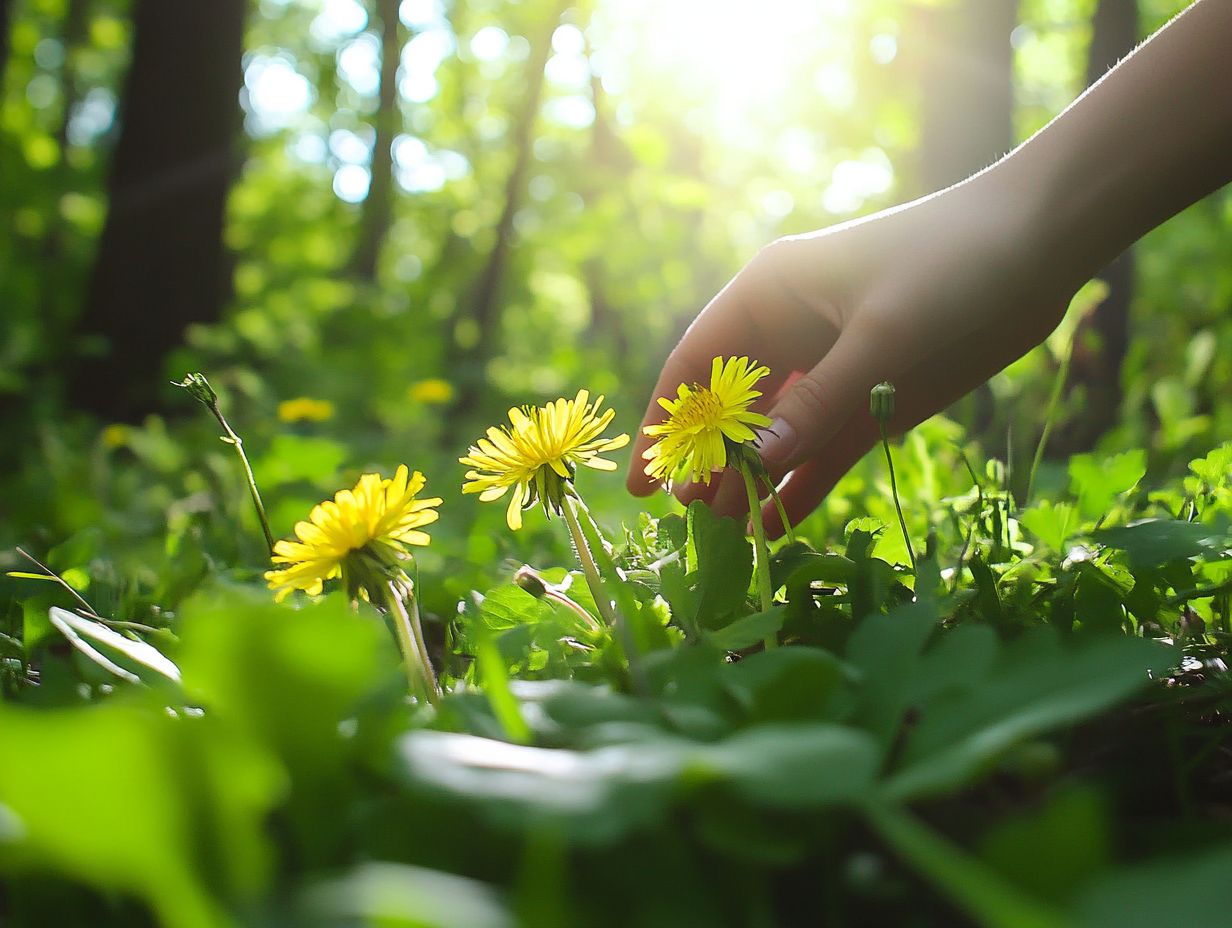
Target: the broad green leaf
(722, 559)
(395, 895)
(1098, 481)
(111, 650)
(1035, 685)
(1051, 523)
(748, 630)
(1155, 542)
(1191, 888)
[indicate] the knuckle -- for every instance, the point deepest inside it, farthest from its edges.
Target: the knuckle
(813, 398)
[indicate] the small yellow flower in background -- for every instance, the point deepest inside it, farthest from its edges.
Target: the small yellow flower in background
(361, 536)
(433, 391)
(305, 409)
(115, 436)
(693, 440)
(538, 452)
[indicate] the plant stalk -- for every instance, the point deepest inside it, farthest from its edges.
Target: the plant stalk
(902, 522)
(234, 440)
(778, 506)
(587, 560)
(973, 887)
(419, 673)
(761, 564)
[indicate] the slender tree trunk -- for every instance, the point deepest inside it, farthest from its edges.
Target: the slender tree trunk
(377, 214)
(484, 304)
(965, 62)
(606, 321)
(161, 264)
(6, 10)
(1103, 339)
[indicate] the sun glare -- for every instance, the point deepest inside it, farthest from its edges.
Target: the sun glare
(730, 62)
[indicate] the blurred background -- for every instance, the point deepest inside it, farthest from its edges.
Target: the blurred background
(376, 224)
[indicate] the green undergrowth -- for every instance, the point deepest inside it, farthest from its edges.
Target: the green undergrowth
(1030, 729)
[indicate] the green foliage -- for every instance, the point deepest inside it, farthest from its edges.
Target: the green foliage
(1029, 728)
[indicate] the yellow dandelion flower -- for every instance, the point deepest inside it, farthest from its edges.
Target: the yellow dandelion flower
(702, 422)
(538, 452)
(431, 392)
(115, 435)
(305, 409)
(361, 536)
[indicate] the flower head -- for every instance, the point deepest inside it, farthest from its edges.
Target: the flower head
(538, 452)
(431, 392)
(360, 536)
(704, 424)
(305, 409)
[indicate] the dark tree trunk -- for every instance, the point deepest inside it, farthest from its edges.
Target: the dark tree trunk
(6, 9)
(1103, 338)
(377, 211)
(965, 62)
(160, 264)
(484, 303)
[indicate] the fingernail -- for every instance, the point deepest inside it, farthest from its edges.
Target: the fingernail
(776, 443)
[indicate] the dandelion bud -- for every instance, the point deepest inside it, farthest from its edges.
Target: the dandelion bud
(881, 401)
(530, 581)
(199, 389)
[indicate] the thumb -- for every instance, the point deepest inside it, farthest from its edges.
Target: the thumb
(818, 405)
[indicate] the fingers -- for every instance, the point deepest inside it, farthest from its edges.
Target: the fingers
(818, 405)
(723, 328)
(812, 481)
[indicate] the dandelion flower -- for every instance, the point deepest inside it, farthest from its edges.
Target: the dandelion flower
(538, 452)
(431, 392)
(705, 423)
(305, 409)
(360, 536)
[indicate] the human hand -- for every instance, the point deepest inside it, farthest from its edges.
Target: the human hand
(935, 297)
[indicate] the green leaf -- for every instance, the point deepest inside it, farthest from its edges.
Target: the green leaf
(1034, 686)
(1191, 889)
(747, 630)
(1098, 480)
(1050, 523)
(798, 766)
(106, 647)
(394, 894)
(1155, 542)
(722, 559)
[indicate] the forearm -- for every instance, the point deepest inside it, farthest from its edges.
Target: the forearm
(1151, 138)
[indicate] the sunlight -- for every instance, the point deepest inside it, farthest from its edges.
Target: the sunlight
(734, 59)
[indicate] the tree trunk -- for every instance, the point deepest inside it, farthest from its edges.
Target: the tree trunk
(6, 10)
(965, 62)
(1101, 342)
(161, 264)
(485, 298)
(606, 320)
(377, 214)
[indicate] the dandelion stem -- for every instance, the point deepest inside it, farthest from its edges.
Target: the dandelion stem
(902, 522)
(778, 506)
(587, 560)
(761, 565)
(419, 673)
(199, 389)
